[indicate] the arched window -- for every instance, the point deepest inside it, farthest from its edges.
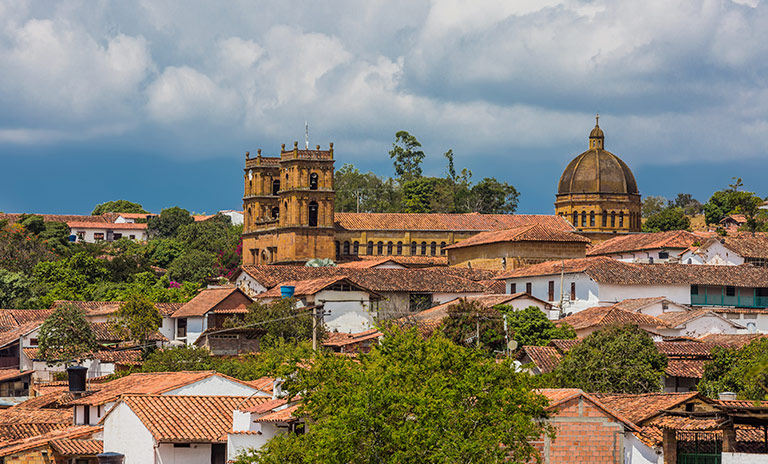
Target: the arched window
(346, 247)
(423, 248)
(413, 248)
(380, 248)
(583, 219)
(312, 214)
(433, 248)
(621, 219)
(442, 248)
(575, 220)
(591, 219)
(369, 248)
(356, 248)
(605, 218)
(275, 186)
(399, 248)
(275, 212)
(338, 247)
(313, 181)
(613, 218)
(389, 248)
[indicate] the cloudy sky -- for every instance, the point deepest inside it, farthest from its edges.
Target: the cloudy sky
(157, 101)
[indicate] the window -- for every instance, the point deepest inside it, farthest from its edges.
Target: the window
(33, 342)
(750, 316)
(356, 248)
(551, 290)
(442, 250)
(575, 220)
(117, 236)
(583, 219)
(181, 327)
(369, 248)
(81, 235)
(380, 248)
(346, 247)
(132, 237)
(730, 291)
(733, 315)
(694, 289)
(423, 248)
(528, 288)
(86, 414)
(613, 218)
(98, 236)
(664, 306)
(573, 291)
(313, 181)
(591, 219)
(341, 287)
(275, 186)
(433, 248)
(275, 213)
(605, 218)
(312, 214)
(389, 248)
(512, 288)
(413, 248)
(338, 248)
(621, 219)
(399, 248)
(663, 255)
(420, 301)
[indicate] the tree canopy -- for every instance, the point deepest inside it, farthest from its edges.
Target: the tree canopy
(670, 218)
(168, 222)
(743, 371)
(530, 326)
(653, 205)
(280, 319)
(407, 155)
(137, 319)
(734, 200)
(118, 206)
(411, 400)
(66, 336)
(616, 359)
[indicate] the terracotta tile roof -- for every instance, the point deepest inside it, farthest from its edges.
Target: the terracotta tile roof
(739, 218)
(362, 262)
(78, 447)
(205, 301)
(737, 403)
(267, 406)
(106, 332)
(444, 222)
(344, 339)
(675, 239)
(530, 233)
(7, 320)
(98, 308)
(20, 415)
(113, 356)
(439, 280)
(678, 318)
(282, 415)
(17, 432)
(22, 316)
(9, 374)
(367, 263)
(641, 407)
(557, 396)
(635, 304)
(107, 225)
(153, 383)
(188, 419)
(731, 340)
(564, 345)
(77, 431)
(12, 335)
(687, 422)
(688, 368)
(686, 348)
(746, 244)
(312, 286)
(606, 270)
(600, 316)
(545, 358)
(106, 218)
(265, 384)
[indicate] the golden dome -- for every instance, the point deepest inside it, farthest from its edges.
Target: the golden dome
(597, 171)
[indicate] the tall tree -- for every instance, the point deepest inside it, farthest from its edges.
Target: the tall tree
(118, 206)
(739, 370)
(490, 196)
(671, 218)
(428, 195)
(66, 336)
(616, 359)
(168, 222)
(280, 319)
(653, 205)
(733, 200)
(690, 205)
(407, 155)
(530, 326)
(411, 400)
(137, 318)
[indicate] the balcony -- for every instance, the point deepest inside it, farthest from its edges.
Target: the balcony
(9, 361)
(729, 296)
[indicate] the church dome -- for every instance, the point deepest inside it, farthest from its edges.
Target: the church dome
(597, 171)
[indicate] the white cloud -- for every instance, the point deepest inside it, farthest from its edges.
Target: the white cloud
(182, 93)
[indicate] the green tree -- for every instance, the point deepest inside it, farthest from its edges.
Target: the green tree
(739, 370)
(163, 251)
(33, 223)
(21, 251)
(168, 222)
(690, 205)
(15, 289)
(412, 400)
(137, 318)
(364, 192)
(118, 206)
(672, 218)
(653, 205)
(407, 155)
(66, 336)
(210, 235)
(733, 200)
(180, 358)
(193, 266)
(530, 326)
(427, 195)
(489, 196)
(56, 234)
(616, 359)
(467, 318)
(280, 319)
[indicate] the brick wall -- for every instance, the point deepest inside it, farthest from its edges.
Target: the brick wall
(584, 434)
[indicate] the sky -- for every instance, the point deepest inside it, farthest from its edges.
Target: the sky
(158, 101)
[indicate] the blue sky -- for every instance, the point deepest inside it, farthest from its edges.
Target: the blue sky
(157, 102)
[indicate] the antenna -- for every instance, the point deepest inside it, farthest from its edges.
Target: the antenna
(306, 135)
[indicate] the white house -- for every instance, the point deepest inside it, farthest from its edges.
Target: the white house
(732, 250)
(91, 232)
(254, 426)
(657, 247)
(235, 216)
(198, 314)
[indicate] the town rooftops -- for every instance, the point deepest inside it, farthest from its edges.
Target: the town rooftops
(600, 316)
(212, 298)
(529, 233)
(745, 244)
(100, 308)
(641, 407)
(338, 339)
(674, 239)
(444, 222)
(610, 271)
(404, 261)
(545, 358)
(731, 340)
(72, 432)
(187, 419)
(559, 396)
(314, 286)
(15, 317)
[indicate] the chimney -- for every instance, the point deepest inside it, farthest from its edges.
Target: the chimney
(76, 378)
(726, 396)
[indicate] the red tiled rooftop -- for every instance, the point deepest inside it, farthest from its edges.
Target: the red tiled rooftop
(206, 300)
(530, 233)
(674, 239)
(444, 222)
(600, 316)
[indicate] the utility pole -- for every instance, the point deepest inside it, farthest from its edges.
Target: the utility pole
(477, 329)
(314, 328)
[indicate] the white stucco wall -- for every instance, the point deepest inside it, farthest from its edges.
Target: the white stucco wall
(714, 254)
(637, 452)
(139, 234)
(758, 320)
(587, 294)
(744, 458)
(440, 298)
(656, 309)
(249, 285)
(703, 326)
(125, 434)
(195, 326)
(197, 453)
(647, 256)
(350, 312)
(615, 293)
(168, 328)
(215, 386)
